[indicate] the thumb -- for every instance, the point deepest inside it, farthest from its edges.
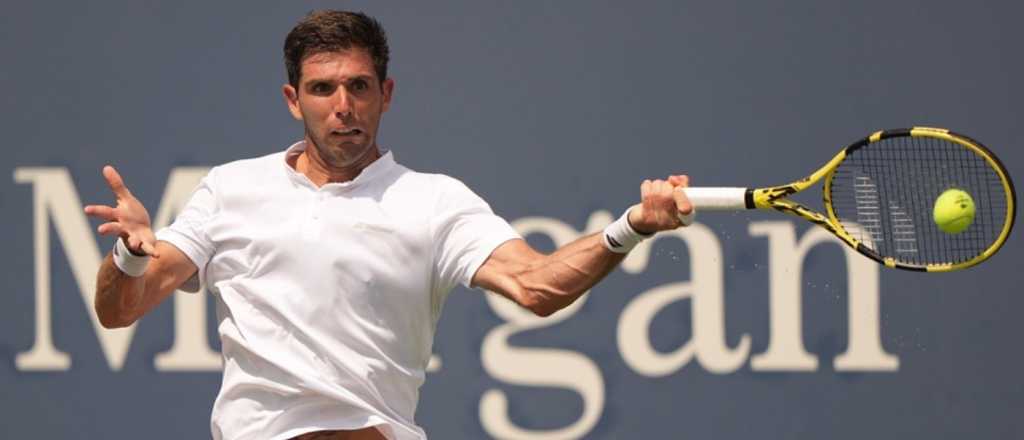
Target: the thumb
(150, 249)
(683, 204)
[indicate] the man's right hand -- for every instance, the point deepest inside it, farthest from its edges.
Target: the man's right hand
(662, 202)
(129, 219)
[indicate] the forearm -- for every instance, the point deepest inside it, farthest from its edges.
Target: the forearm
(118, 296)
(554, 281)
(546, 283)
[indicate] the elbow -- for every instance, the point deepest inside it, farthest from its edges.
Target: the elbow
(544, 312)
(540, 304)
(112, 311)
(540, 298)
(110, 323)
(113, 320)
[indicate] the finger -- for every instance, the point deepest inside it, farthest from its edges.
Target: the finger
(115, 181)
(104, 212)
(133, 244)
(645, 194)
(683, 204)
(686, 219)
(665, 187)
(664, 191)
(150, 249)
(679, 180)
(656, 190)
(111, 228)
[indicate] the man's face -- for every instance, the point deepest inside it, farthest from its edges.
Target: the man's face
(340, 102)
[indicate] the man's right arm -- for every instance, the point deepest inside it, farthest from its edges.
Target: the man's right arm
(122, 299)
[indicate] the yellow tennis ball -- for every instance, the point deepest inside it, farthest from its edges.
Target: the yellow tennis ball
(954, 211)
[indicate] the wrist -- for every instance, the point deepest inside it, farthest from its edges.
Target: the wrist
(621, 237)
(128, 262)
(632, 212)
(139, 253)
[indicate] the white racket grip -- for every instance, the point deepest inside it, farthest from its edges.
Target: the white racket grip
(717, 198)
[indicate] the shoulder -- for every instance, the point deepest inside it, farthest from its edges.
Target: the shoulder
(247, 172)
(252, 166)
(434, 186)
(435, 181)
(423, 181)
(433, 195)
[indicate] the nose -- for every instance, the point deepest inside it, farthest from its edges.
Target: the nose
(342, 104)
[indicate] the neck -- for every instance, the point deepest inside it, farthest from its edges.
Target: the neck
(311, 164)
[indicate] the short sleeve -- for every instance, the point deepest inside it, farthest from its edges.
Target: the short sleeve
(188, 232)
(466, 232)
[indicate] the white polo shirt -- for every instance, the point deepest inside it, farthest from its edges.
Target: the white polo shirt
(327, 298)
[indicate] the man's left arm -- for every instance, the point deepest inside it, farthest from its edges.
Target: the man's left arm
(545, 284)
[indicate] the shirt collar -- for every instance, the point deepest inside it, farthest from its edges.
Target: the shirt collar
(382, 165)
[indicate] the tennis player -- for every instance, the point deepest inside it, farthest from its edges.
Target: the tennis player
(330, 261)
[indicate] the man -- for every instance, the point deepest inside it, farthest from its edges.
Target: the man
(330, 262)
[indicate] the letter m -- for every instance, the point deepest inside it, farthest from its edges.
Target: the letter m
(54, 198)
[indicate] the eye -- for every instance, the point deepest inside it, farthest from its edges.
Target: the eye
(360, 85)
(320, 88)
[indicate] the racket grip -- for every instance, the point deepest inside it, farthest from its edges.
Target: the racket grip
(717, 198)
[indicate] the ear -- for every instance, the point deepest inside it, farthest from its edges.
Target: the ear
(291, 97)
(387, 88)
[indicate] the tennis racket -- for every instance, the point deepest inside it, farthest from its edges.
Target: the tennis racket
(880, 193)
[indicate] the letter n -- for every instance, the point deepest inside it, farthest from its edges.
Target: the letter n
(786, 351)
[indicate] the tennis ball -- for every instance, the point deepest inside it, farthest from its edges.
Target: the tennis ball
(954, 211)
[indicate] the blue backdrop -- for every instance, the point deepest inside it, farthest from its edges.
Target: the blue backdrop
(554, 112)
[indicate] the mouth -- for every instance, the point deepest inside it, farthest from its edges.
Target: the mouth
(347, 132)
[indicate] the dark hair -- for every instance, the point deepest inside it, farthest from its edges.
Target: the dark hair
(330, 31)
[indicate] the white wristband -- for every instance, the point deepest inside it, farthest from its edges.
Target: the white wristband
(129, 263)
(620, 237)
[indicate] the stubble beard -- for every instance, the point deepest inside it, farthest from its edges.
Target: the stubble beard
(342, 158)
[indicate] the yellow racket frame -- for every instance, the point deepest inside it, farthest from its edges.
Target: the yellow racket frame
(774, 198)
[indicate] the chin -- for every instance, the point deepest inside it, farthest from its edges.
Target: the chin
(349, 154)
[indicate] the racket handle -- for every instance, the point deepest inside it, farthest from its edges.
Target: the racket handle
(717, 198)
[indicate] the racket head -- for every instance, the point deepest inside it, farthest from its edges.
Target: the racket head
(880, 194)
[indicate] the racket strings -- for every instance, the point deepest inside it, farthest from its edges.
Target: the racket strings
(884, 194)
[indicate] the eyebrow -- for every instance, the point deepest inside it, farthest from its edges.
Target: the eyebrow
(367, 78)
